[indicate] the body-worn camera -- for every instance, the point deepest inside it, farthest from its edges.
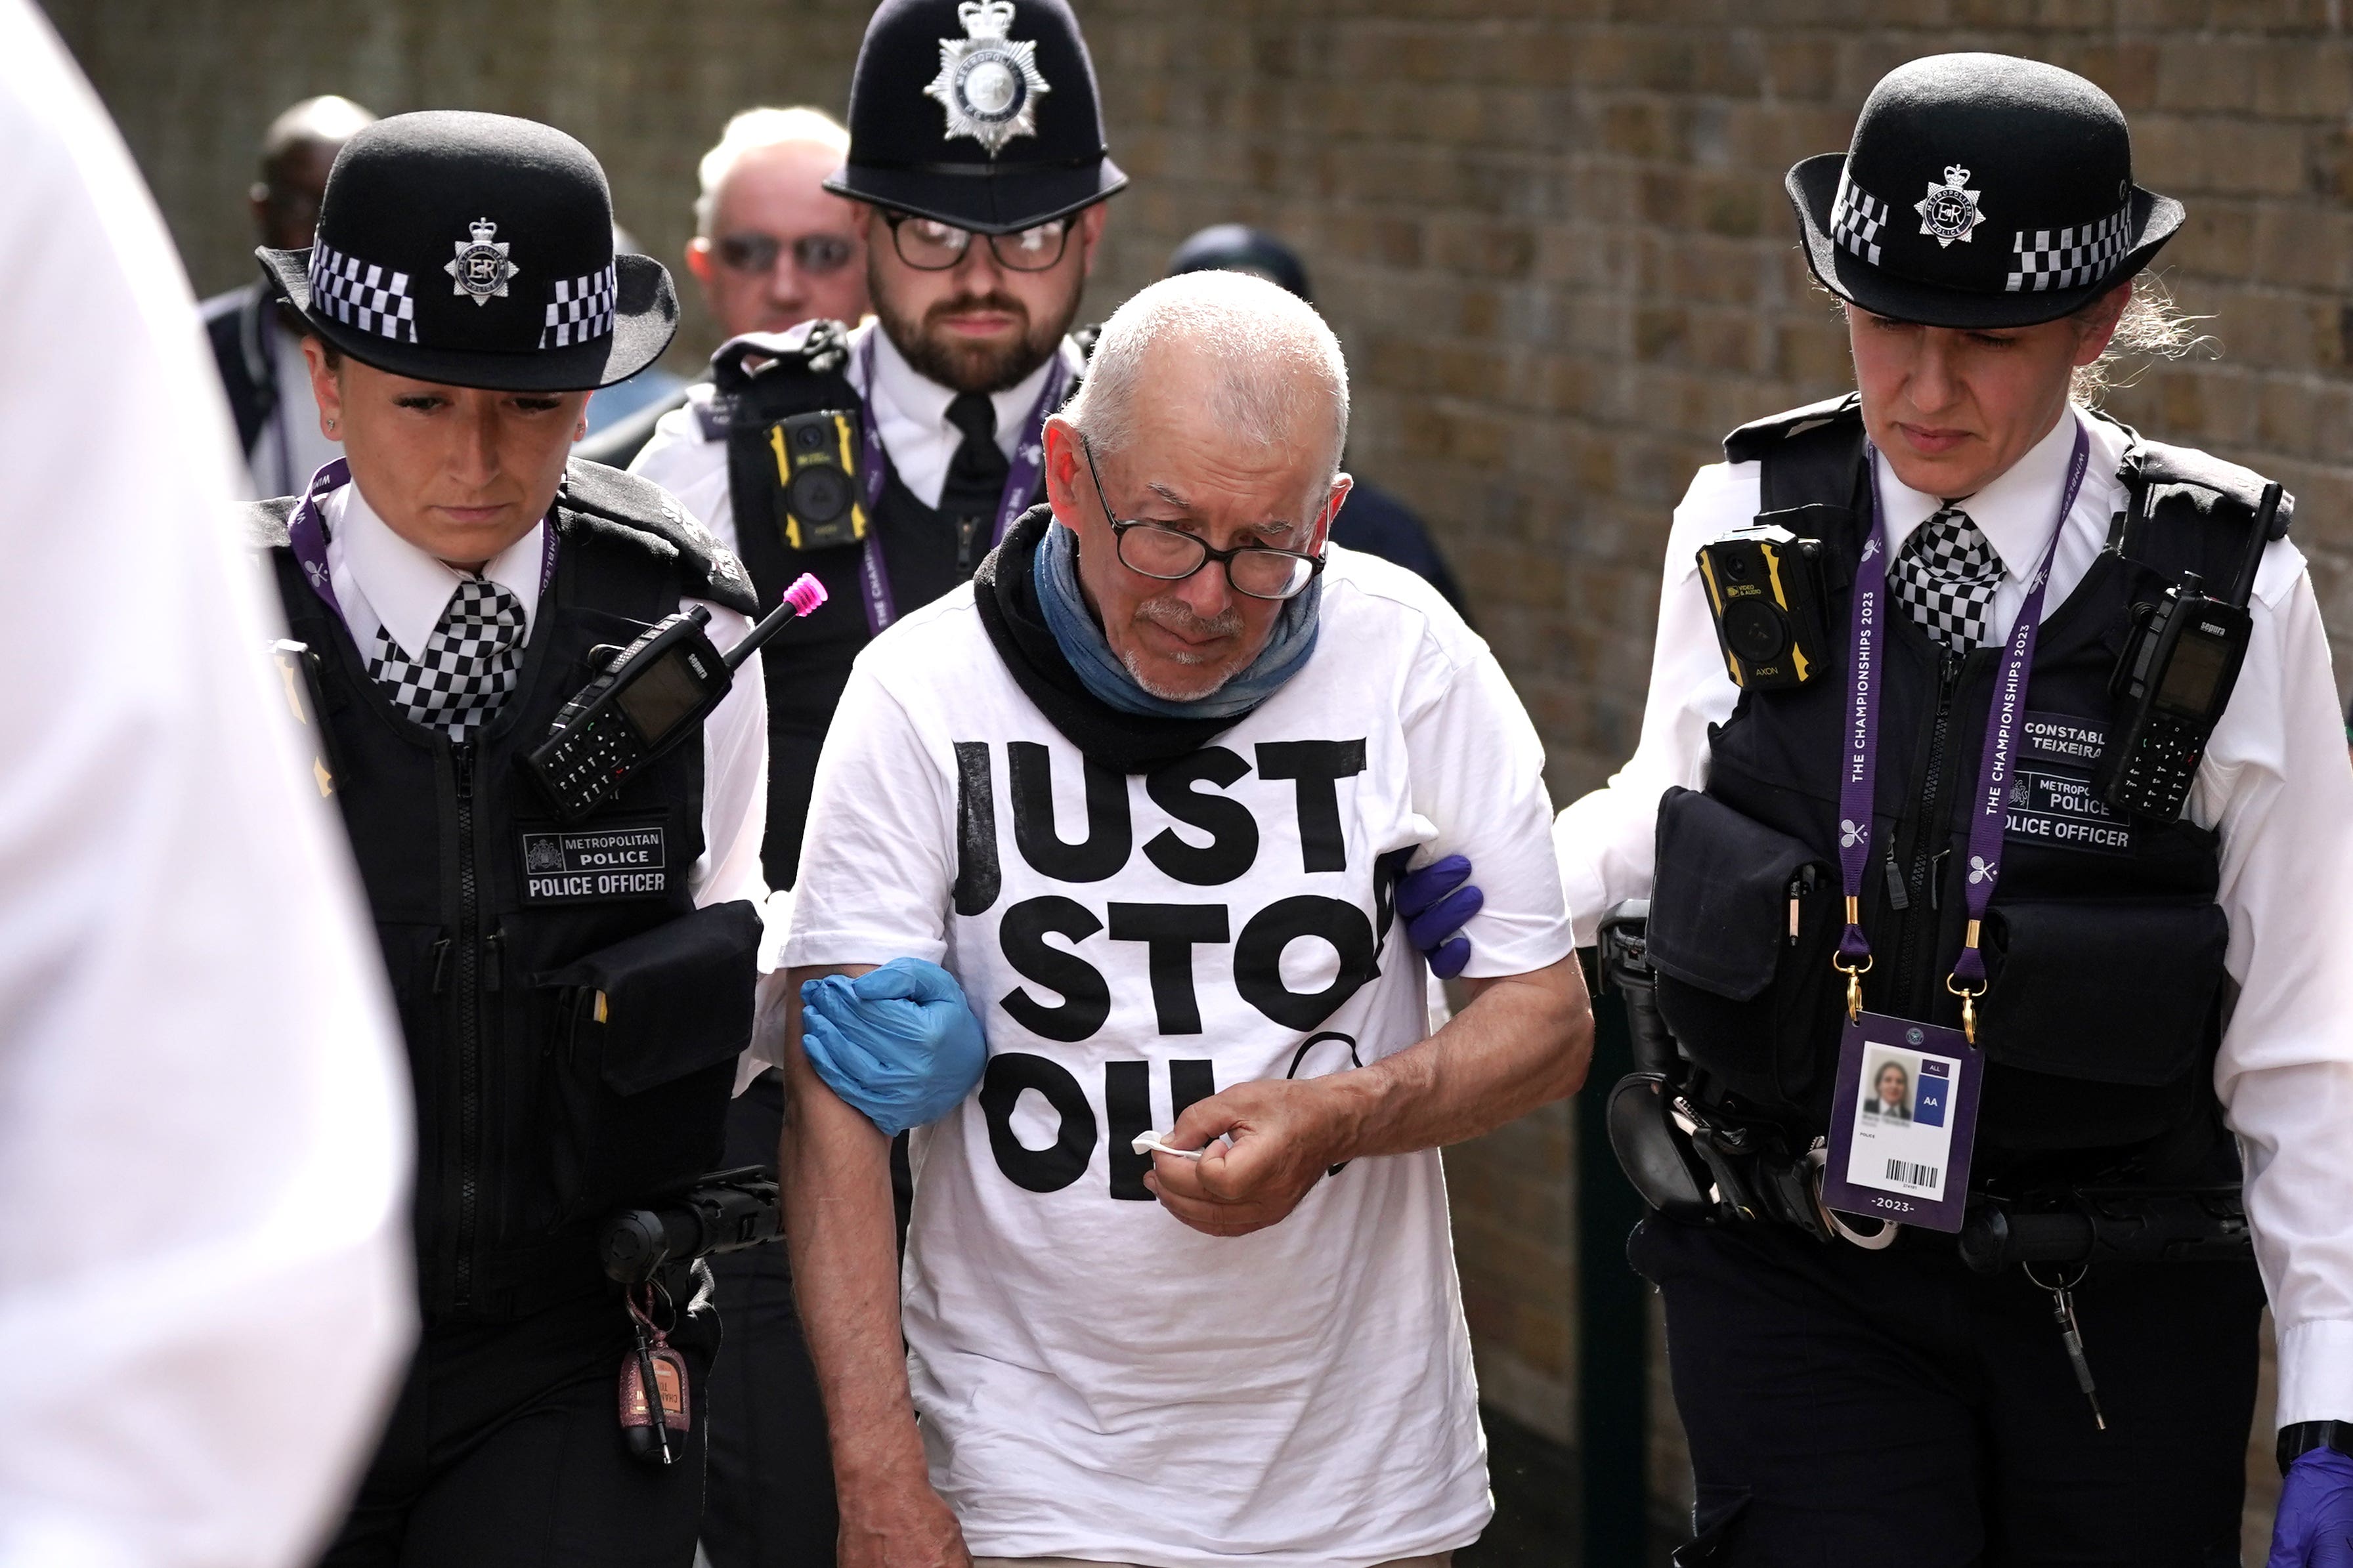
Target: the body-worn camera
(817, 478)
(2172, 682)
(1765, 590)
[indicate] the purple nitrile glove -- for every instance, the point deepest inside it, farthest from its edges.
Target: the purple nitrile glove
(1436, 905)
(2313, 1528)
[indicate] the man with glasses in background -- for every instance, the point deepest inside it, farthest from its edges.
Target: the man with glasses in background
(971, 196)
(772, 246)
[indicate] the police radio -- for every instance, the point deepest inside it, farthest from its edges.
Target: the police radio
(2172, 682)
(654, 694)
(817, 478)
(1765, 590)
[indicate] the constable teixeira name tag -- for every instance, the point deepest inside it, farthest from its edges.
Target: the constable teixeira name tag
(605, 863)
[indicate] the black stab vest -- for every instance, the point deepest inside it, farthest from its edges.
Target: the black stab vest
(2103, 942)
(447, 838)
(925, 553)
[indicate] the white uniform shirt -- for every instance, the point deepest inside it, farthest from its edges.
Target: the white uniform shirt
(382, 580)
(2275, 783)
(291, 446)
(1094, 1378)
(205, 1285)
(910, 412)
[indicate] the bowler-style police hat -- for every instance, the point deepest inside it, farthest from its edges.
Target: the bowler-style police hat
(475, 250)
(982, 114)
(1981, 190)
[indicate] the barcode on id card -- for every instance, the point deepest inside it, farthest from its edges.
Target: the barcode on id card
(1904, 1174)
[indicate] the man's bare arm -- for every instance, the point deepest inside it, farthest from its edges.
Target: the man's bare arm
(1525, 1041)
(836, 1170)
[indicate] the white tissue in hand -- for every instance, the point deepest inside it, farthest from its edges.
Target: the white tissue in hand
(1150, 1143)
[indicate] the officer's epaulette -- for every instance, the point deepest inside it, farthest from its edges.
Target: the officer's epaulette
(1751, 442)
(2214, 489)
(263, 523)
(767, 376)
(608, 500)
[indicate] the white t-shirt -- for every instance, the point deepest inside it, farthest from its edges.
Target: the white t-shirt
(1094, 1377)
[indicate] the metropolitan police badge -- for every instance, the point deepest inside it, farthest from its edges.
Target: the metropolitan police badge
(988, 82)
(480, 268)
(1949, 211)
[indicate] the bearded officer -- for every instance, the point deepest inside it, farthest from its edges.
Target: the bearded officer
(575, 992)
(1916, 855)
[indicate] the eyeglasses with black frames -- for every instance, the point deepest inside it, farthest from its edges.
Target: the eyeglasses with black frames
(928, 245)
(1170, 554)
(815, 254)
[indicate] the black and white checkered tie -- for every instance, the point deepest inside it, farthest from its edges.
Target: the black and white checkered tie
(1946, 575)
(469, 666)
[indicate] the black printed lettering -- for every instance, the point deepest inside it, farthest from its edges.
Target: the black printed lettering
(1171, 931)
(1127, 1110)
(1234, 832)
(1189, 1083)
(1109, 834)
(1258, 957)
(1387, 872)
(979, 878)
(1050, 1169)
(1317, 767)
(1086, 997)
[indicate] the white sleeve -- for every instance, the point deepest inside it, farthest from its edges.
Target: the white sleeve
(694, 470)
(2277, 784)
(734, 778)
(878, 862)
(1606, 840)
(1478, 773)
(204, 1276)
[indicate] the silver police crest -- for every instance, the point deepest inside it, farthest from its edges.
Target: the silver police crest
(480, 268)
(988, 82)
(1949, 211)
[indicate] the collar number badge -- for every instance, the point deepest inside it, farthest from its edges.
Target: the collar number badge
(1949, 211)
(988, 83)
(480, 268)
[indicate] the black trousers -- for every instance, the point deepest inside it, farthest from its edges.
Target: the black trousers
(771, 1503)
(505, 1451)
(1853, 1409)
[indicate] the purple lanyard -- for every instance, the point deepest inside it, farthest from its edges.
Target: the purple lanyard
(306, 534)
(1021, 483)
(1859, 777)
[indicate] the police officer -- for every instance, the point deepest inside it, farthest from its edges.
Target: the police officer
(575, 993)
(2016, 1323)
(977, 162)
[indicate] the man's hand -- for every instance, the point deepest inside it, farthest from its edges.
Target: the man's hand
(898, 1523)
(1283, 1138)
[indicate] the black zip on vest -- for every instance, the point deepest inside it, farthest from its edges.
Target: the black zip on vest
(2104, 943)
(482, 895)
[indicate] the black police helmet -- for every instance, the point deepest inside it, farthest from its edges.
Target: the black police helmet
(1238, 248)
(1980, 190)
(475, 250)
(983, 114)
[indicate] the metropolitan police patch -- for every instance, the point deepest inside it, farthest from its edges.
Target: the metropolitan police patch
(988, 82)
(480, 268)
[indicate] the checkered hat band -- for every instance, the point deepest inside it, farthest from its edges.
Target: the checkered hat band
(2048, 258)
(1857, 217)
(362, 294)
(583, 308)
(469, 665)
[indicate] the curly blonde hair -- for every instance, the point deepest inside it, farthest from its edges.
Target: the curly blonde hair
(2152, 328)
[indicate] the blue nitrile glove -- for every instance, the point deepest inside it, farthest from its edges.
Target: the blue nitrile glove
(899, 1043)
(2313, 1528)
(1437, 906)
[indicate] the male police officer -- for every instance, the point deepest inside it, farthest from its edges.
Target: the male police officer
(575, 989)
(1894, 841)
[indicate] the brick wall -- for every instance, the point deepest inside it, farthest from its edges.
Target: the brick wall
(1551, 233)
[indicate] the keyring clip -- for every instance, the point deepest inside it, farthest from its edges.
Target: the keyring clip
(1853, 981)
(1969, 1006)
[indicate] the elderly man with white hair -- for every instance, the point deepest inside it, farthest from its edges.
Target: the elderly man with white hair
(1144, 789)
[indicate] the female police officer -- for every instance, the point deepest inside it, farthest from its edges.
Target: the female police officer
(1884, 833)
(573, 991)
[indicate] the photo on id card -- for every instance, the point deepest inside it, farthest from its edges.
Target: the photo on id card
(1902, 1124)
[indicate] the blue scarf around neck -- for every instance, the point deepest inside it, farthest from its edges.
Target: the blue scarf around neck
(1082, 643)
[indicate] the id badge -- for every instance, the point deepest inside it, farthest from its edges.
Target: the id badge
(1903, 1122)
